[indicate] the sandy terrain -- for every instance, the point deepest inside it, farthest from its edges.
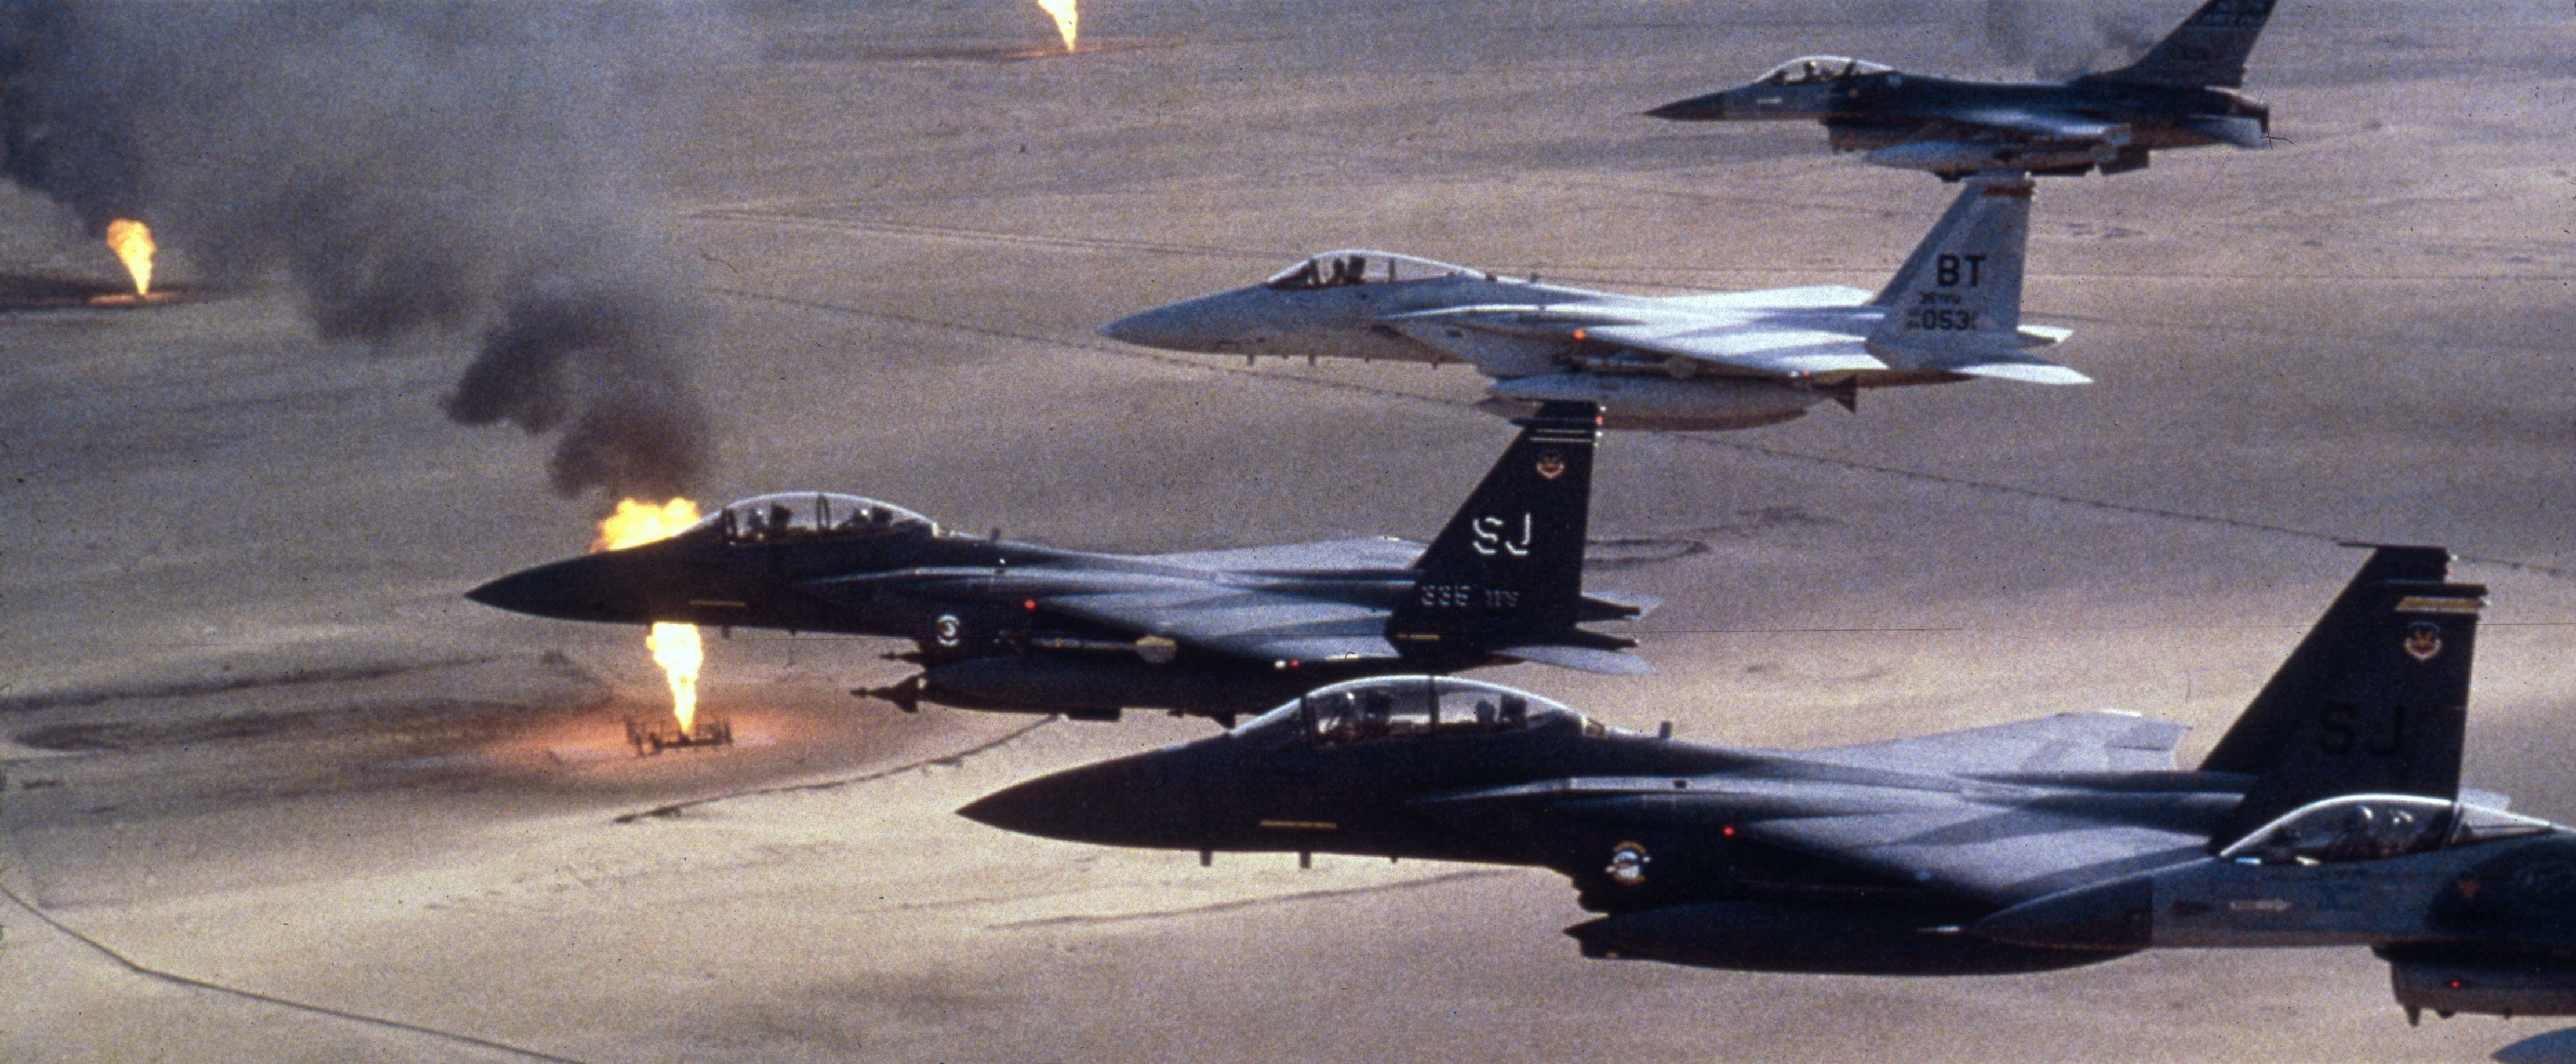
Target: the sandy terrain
(275, 791)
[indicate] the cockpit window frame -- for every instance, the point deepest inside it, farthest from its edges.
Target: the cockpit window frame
(1353, 267)
(2442, 824)
(1819, 70)
(809, 516)
(1303, 722)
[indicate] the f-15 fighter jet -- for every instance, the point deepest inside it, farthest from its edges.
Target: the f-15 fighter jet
(1019, 627)
(2331, 814)
(2181, 95)
(1731, 361)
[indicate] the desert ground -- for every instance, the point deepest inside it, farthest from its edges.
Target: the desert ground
(275, 791)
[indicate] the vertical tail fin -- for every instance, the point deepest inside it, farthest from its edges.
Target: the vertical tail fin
(2209, 48)
(1956, 303)
(2374, 700)
(1510, 563)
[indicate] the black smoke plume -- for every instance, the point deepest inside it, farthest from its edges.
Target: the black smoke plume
(437, 171)
(2066, 38)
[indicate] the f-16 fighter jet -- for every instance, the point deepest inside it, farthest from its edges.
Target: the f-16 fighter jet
(2331, 814)
(1023, 628)
(2182, 95)
(1729, 361)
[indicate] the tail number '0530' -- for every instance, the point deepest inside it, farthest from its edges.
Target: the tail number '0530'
(1941, 319)
(1467, 596)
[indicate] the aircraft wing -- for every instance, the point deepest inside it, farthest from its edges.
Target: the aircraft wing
(1804, 297)
(1994, 851)
(1335, 555)
(1243, 622)
(1767, 349)
(2034, 122)
(1721, 335)
(2067, 742)
(1988, 843)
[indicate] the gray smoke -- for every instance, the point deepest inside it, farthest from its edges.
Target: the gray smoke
(437, 171)
(2065, 38)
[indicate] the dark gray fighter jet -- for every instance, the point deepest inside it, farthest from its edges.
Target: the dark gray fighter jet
(2183, 94)
(2329, 815)
(1024, 628)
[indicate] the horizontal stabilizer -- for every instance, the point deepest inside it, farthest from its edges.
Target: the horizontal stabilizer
(1580, 659)
(1617, 605)
(1996, 361)
(2043, 335)
(2025, 372)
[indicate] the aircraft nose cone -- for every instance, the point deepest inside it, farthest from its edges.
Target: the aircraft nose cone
(582, 589)
(523, 592)
(1141, 801)
(1028, 808)
(1709, 108)
(1160, 327)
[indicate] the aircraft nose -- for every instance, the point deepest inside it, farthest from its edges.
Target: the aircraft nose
(579, 589)
(1709, 108)
(1149, 800)
(1163, 327)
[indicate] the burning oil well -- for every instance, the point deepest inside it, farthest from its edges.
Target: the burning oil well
(413, 173)
(675, 647)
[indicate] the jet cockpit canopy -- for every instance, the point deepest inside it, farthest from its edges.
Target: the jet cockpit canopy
(1334, 269)
(2368, 827)
(1388, 707)
(1814, 69)
(800, 515)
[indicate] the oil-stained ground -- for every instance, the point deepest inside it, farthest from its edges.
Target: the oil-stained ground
(274, 791)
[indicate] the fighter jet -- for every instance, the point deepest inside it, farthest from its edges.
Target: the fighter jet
(1725, 361)
(2330, 814)
(2182, 95)
(1018, 627)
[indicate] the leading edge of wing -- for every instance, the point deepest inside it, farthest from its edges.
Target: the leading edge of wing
(2095, 741)
(1329, 555)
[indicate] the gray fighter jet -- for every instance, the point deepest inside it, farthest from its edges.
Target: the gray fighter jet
(2181, 95)
(2330, 815)
(1727, 361)
(1019, 627)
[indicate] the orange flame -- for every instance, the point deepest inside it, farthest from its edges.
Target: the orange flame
(675, 647)
(132, 242)
(1066, 19)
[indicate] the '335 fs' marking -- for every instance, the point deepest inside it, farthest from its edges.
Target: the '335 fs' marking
(1467, 596)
